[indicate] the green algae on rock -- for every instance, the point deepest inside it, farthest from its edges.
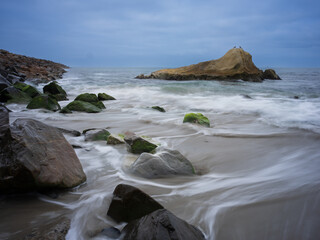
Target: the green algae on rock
(81, 106)
(90, 98)
(44, 101)
(28, 89)
(197, 118)
(137, 145)
(55, 90)
(115, 139)
(105, 97)
(160, 109)
(14, 95)
(96, 134)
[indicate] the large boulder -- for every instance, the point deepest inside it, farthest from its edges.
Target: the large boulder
(270, 74)
(90, 98)
(55, 90)
(28, 89)
(197, 118)
(161, 225)
(45, 102)
(137, 145)
(164, 163)
(36, 156)
(80, 106)
(96, 134)
(129, 203)
(14, 95)
(105, 97)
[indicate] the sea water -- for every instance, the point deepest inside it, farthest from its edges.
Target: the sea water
(257, 165)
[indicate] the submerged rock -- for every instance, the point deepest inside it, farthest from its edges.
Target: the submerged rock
(80, 106)
(129, 203)
(161, 225)
(197, 118)
(137, 145)
(235, 64)
(96, 134)
(45, 102)
(56, 91)
(115, 140)
(13, 95)
(90, 98)
(105, 97)
(36, 156)
(160, 109)
(164, 163)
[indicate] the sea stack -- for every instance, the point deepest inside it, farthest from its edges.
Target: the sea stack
(235, 64)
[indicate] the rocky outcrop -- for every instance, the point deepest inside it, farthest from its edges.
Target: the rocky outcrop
(35, 156)
(16, 67)
(235, 64)
(55, 91)
(137, 145)
(161, 225)
(165, 163)
(197, 118)
(270, 74)
(105, 97)
(90, 98)
(80, 106)
(45, 102)
(14, 95)
(28, 89)
(129, 203)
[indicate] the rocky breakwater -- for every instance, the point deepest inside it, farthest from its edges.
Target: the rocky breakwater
(235, 64)
(14, 67)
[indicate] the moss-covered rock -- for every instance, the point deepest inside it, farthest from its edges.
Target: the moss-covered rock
(105, 97)
(160, 109)
(44, 101)
(14, 95)
(82, 106)
(99, 104)
(115, 139)
(28, 89)
(90, 98)
(137, 145)
(197, 118)
(96, 134)
(55, 91)
(65, 110)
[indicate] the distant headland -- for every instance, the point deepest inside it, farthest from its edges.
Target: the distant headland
(235, 64)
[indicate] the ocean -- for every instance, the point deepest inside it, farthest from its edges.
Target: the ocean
(257, 165)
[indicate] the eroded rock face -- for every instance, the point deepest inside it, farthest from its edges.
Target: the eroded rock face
(235, 64)
(37, 156)
(161, 225)
(130, 203)
(165, 163)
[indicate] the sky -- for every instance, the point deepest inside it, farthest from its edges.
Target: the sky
(162, 33)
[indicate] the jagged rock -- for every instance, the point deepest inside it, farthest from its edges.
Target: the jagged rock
(105, 97)
(14, 95)
(90, 98)
(80, 106)
(270, 74)
(36, 156)
(161, 225)
(4, 83)
(164, 163)
(96, 134)
(28, 89)
(56, 91)
(115, 140)
(235, 64)
(45, 102)
(160, 109)
(136, 144)
(197, 118)
(129, 203)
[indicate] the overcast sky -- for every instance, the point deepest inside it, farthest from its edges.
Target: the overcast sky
(164, 33)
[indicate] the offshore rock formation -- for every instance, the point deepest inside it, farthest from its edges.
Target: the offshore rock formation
(14, 67)
(235, 64)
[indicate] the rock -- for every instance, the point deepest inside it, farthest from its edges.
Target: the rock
(56, 91)
(246, 96)
(45, 102)
(16, 67)
(270, 74)
(142, 76)
(129, 203)
(28, 89)
(115, 140)
(138, 145)
(71, 132)
(235, 64)
(111, 232)
(161, 225)
(90, 98)
(296, 97)
(5, 133)
(96, 134)
(197, 118)
(105, 97)
(37, 157)
(4, 83)
(14, 95)
(57, 229)
(160, 109)
(165, 163)
(81, 106)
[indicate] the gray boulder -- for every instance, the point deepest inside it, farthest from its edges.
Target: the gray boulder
(164, 163)
(161, 225)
